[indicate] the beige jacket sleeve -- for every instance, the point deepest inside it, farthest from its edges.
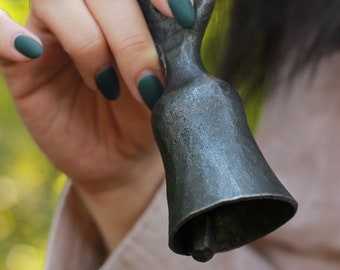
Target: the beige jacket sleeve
(75, 244)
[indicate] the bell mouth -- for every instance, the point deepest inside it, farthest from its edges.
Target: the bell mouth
(230, 225)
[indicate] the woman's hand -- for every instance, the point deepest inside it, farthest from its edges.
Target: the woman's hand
(90, 46)
(82, 99)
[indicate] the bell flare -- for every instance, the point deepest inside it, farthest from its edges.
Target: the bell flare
(229, 225)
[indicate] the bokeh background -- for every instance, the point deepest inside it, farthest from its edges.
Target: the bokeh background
(30, 185)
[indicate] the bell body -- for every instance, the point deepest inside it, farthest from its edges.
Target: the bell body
(214, 168)
(221, 192)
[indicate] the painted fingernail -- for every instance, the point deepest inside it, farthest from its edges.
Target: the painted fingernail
(108, 83)
(28, 46)
(150, 89)
(183, 12)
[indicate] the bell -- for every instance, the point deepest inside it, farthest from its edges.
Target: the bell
(221, 192)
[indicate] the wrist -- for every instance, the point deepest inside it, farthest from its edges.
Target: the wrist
(116, 209)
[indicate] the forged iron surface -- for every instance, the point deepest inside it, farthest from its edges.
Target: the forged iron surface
(221, 192)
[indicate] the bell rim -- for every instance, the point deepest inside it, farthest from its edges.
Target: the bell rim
(289, 201)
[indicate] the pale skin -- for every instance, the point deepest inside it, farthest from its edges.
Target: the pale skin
(105, 147)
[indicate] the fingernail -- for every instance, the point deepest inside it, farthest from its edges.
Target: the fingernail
(28, 46)
(183, 12)
(150, 89)
(108, 83)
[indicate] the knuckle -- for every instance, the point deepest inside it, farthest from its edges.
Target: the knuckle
(86, 47)
(133, 44)
(40, 9)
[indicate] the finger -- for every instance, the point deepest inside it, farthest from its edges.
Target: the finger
(82, 39)
(127, 34)
(182, 10)
(163, 7)
(17, 43)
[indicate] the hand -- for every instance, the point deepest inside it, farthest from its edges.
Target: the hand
(93, 127)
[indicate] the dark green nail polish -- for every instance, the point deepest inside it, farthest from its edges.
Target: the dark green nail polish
(108, 83)
(150, 89)
(183, 12)
(28, 46)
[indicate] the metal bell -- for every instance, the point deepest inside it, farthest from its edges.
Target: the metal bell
(221, 192)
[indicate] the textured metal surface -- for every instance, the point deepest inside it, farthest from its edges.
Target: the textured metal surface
(221, 192)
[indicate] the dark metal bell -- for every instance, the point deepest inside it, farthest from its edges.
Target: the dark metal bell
(221, 192)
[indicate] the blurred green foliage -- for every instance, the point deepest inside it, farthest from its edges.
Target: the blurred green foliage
(29, 184)
(213, 51)
(18, 9)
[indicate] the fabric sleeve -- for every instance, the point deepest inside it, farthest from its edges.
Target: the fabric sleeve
(75, 243)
